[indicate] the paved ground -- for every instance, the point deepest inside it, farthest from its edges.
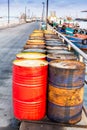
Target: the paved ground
(12, 41)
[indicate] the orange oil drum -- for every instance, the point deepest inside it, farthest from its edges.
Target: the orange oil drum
(36, 36)
(29, 46)
(29, 89)
(31, 56)
(35, 42)
(38, 31)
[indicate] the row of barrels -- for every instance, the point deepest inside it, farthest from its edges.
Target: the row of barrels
(38, 89)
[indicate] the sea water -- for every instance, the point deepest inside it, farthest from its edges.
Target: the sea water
(4, 20)
(83, 24)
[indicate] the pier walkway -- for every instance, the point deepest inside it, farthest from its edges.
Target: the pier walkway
(11, 43)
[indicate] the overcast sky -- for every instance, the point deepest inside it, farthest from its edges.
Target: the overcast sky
(62, 7)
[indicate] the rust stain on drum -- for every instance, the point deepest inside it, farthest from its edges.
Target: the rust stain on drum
(65, 97)
(67, 73)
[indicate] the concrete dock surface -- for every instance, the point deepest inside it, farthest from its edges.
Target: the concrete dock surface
(12, 41)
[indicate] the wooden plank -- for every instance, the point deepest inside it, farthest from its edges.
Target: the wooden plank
(34, 126)
(46, 124)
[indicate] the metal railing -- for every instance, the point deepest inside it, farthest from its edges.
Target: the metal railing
(70, 44)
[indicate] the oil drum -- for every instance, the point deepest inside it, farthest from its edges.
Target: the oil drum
(65, 91)
(51, 57)
(50, 34)
(36, 36)
(31, 56)
(67, 73)
(31, 46)
(56, 48)
(64, 114)
(35, 42)
(54, 43)
(38, 31)
(35, 50)
(29, 89)
(59, 52)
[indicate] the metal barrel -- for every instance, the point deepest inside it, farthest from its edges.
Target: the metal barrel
(29, 89)
(59, 52)
(35, 50)
(54, 43)
(38, 31)
(31, 56)
(50, 34)
(39, 35)
(31, 46)
(56, 48)
(65, 91)
(67, 73)
(35, 42)
(51, 57)
(64, 114)
(64, 96)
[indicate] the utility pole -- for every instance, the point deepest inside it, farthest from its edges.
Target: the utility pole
(47, 13)
(25, 13)
(28, 13)
(43, 11)
(8, 12)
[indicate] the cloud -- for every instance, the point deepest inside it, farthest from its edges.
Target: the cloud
(35, 6)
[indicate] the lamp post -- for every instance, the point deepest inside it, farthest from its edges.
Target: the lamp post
(28, 13)
(47, 12)
(8, 11)
(43, 11)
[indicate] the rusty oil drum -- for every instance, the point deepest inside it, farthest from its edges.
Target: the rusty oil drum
(65, 105)
(29, 89)
(35, 42)
(65, 91)
(31, 56)
(56, 48)
(67, 73)
(50, 34)
(51, 57)
(64, 114)
(56, 51)
(54, 43)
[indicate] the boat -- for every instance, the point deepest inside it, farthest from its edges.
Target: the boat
(75, 35)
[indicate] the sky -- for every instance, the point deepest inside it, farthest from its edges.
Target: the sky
(63, 8)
